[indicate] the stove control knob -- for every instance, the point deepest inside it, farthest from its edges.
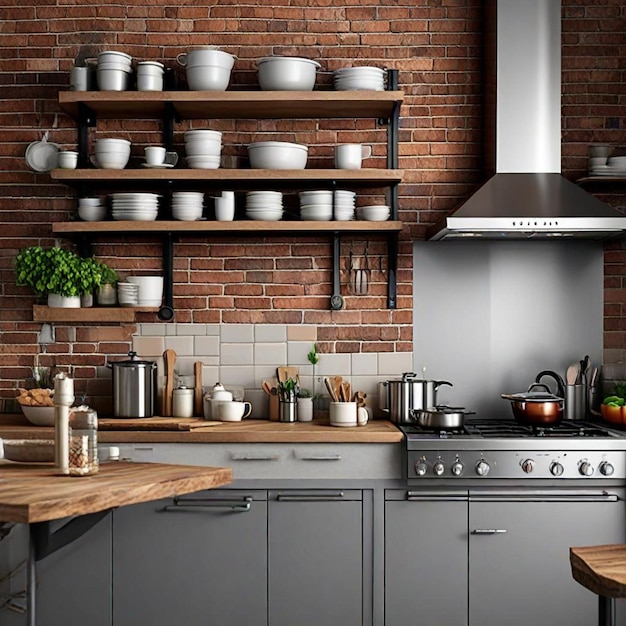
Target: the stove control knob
(421, 468)
(528, 466)
(439, 468)
(585, 468)
(556, 469)
(457, 468)
(482, 468)
(606, 469)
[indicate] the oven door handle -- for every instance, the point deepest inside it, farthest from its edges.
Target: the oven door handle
(417, 496)
(543, 497)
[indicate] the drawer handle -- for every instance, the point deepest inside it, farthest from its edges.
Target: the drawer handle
(489, 531)
(321, 457)
(198, 505)
(322, 497)
(235, 456)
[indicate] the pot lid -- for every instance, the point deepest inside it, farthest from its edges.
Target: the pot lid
(42, 156)
(134, 362)
(532, 396)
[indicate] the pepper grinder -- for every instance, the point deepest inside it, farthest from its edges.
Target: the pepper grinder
(63, 399)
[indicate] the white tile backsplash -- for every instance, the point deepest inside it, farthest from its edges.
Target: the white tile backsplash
(246, 354)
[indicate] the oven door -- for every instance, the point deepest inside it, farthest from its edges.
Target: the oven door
(519, 553)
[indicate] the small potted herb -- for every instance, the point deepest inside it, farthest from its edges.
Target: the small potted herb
(305, 405)
(106, 294)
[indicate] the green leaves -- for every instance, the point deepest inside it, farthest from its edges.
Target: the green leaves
(59, 271)
(312, 356)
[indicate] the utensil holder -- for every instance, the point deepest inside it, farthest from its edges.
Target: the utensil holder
(575, 402)
(287, 411)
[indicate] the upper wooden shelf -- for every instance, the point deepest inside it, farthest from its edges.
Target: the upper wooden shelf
(233, 104)
(367, 176)
(237, 226)
(42, 313)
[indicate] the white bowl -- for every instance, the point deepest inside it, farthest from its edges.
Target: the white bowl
(112, 80)
(150, 289)
(374, 213)
(287, 73)
(203, 134)
(203, 148)
(39, 415)
(203, 162)
(207, 78)
(277, 155)
(113, 56)
(93, 213)
(29, 450)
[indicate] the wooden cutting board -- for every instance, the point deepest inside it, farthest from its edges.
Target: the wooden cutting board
(155, 423)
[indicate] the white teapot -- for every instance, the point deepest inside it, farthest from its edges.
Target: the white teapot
(217, 394)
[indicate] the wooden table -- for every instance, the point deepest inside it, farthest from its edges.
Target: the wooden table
(35, 495)
(601, 569)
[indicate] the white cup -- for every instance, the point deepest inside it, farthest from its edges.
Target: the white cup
(68, 160)
(347, 414)
(233, 411)
(155, 155)
(79, 79)
(349, 156)
(225, 207)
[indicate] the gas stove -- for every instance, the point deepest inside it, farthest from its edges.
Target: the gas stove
(504, 449)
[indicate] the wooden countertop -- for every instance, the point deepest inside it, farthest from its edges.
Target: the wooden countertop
(34, 493)
(601, 569)
(247, 431)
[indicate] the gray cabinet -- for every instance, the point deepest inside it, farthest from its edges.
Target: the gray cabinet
(319, 558)
(425, 559)
(196, 560)
(521, 574)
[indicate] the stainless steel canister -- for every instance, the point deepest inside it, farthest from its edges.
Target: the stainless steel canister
(134, 387)
(409, 393)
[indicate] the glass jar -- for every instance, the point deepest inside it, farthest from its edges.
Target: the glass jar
(83, 442)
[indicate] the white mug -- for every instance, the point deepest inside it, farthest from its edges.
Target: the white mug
(347, 414)
(79, 78)
(225, 207)
(349, 156)
(233, 411)
(155, 155)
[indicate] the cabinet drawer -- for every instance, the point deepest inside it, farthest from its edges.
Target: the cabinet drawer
(279, 461)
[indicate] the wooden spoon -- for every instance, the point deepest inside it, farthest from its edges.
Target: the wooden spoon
(169, 360)
(197, 389)
(571, 374)
(331, 390)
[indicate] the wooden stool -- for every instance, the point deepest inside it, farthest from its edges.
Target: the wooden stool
(601, 569)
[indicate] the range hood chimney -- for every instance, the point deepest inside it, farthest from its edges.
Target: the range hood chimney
(526, 196)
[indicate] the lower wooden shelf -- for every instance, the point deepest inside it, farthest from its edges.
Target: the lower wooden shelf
(42, 313)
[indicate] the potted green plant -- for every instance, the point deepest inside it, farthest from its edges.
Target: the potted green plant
(305, 405)
(58, 273)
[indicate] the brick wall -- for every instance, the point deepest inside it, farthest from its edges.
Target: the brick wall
(436, 48)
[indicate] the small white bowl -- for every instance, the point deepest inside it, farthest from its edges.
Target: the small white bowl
(277, 155)
(68, 159)
(39, 415)
(92, 213)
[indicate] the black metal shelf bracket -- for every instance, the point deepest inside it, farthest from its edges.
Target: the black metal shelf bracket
(336, 301)
(166, 312)
(86, 120)
(170, 116)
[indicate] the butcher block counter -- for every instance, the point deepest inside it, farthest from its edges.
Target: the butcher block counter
(175, 430)
(34, 493)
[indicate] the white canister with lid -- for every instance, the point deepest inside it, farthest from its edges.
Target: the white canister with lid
(217, 394)
(182, 402)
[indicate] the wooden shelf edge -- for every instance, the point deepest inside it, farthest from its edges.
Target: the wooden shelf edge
(42, 313)
(305, 228)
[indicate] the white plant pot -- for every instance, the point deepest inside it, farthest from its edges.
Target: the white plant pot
(63, 302)
(305, 409)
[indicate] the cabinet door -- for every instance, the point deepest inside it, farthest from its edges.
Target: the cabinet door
(316, 558)
(200, 561)
(425, 559)
(521, 574)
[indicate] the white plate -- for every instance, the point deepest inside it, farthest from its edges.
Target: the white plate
(161, 166)
(42, 156)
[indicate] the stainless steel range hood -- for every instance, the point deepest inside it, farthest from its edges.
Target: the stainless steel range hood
(526, 196)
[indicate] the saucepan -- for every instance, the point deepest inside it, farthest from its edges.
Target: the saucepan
(441, 417)
(536, 407)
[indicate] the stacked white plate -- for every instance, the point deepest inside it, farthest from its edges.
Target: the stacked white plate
(135, 206)
(203, 148)
(127, 294)
(264, 205)
(359, 78)
(318, 205)
(187, 205)
(374, 213)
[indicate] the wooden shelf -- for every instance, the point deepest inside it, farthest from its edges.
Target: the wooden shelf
(602, 179)
(233, 104)
(238, 226)
(367, 177)
(42, 313)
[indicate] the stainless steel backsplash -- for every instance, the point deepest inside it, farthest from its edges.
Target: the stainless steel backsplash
(489, 316)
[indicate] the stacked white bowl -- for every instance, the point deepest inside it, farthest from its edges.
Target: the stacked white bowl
(359, 78)
(207, 68)
(113, 71)
(150, 76)
(318, 205)
(127, 294)
(135, 206)
(187, 206)
(91, 209)
(277, 155)
(264, 205)
(374, 213)
(111, 153)
(203, 148)
(150, 289)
